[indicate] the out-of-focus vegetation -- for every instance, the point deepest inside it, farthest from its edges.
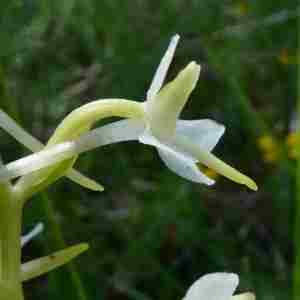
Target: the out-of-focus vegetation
(152, 233)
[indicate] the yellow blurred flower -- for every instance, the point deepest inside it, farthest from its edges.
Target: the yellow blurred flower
(266, 143)
(271, 157)
(241, 8)
(292, 142)
(285, 58)
(269, 148)
(292, 139)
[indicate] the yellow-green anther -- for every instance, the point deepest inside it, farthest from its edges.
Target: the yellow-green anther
(40, 266)
(164, 110)
(208, 159)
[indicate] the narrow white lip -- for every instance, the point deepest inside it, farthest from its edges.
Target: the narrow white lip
(124, 130)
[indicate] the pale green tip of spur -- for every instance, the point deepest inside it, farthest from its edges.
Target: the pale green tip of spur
(251, 184)
(211, 161)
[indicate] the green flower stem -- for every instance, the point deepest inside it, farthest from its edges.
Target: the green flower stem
(10, 221)
(12, 199)
(296, 267)
(10, 248)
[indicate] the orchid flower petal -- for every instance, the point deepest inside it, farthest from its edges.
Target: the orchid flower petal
(124, 130)
(205, 133)
(32, 234)
(33, 144)
(180, 163)
(162, 69)
(184, 168)
(163, 112)
(214, 286)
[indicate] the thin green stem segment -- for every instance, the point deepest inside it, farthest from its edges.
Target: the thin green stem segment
(10, 248)
(211, 161)
(296, 238)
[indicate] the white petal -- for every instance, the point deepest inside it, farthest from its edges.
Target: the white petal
(120, 131)
(33, 144)
(205, 133)
(185, 169)
(214, 286)
(17, 132)
(162, 69)
(32, 234)
(124, 130)
(180, 163)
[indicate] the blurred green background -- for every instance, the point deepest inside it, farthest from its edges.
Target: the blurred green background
(152, 233)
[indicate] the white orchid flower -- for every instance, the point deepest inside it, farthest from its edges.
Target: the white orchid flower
(216, 286)
(181, 144)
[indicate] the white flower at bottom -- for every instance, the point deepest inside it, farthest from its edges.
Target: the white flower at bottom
(216, 286)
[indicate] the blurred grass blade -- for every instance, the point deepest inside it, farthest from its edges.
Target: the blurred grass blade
(296, 266)
(48, 263)
(66, 280)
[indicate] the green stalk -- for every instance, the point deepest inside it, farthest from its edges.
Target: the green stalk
(296, 267)
(10, 222)
(58, 241)
(10, 245)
